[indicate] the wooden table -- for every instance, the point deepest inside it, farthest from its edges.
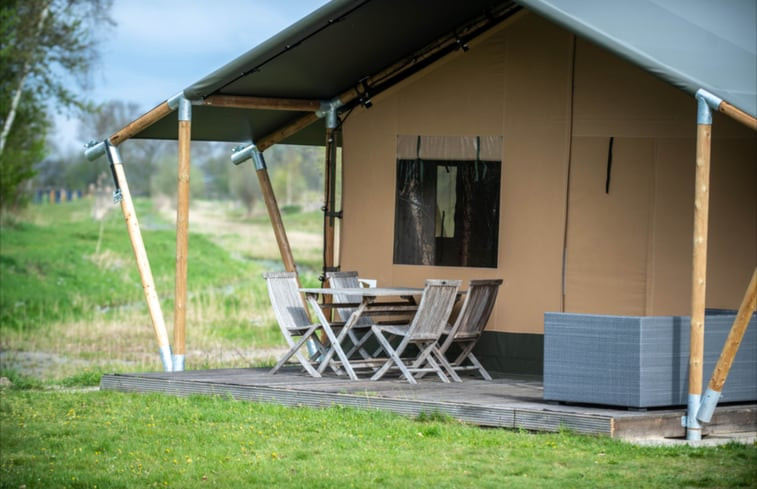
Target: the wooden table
(369, 303)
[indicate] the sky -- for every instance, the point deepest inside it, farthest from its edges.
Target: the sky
(159, 47)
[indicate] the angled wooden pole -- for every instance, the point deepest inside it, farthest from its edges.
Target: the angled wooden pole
(144, 121)
(266, 103)
(275, 215)
(737, 114)
(239, 156)
(280, 134)
(746, 309)
(182, 235)
(731, 347)
(143, 264)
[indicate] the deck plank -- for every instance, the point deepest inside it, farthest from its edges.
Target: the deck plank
(504, 402)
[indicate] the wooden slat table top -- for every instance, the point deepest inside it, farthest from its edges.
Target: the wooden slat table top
(365, 291)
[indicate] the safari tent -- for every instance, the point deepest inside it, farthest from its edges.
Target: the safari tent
(549, 143)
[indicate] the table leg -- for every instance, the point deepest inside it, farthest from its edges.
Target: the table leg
(335, 345)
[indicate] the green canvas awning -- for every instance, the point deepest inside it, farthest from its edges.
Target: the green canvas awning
(324, 54)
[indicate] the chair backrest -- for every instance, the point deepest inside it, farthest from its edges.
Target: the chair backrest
(477, 308)
(434, 309)
(345, 280)
(286, 300)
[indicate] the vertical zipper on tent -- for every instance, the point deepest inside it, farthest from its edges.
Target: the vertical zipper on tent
(609, 166)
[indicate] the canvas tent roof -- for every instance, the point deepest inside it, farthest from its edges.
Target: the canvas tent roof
(690, 43)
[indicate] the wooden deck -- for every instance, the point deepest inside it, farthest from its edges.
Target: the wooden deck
(503, 402)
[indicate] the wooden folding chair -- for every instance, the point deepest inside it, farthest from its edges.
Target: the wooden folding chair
(470, 323)
(349, 280)
(346, 280)
(423, 332)
(294, 321)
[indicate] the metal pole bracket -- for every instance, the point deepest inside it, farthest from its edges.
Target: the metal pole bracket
(242, 153)
(329, 111)
(706, 102)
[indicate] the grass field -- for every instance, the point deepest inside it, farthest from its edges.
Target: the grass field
(113, 440)
(71, 296)
(72, 308)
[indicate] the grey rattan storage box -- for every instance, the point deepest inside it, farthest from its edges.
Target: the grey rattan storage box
(637, 361)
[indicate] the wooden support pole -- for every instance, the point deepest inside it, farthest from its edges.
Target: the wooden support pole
(283, 133)
(738, 115)
(243, 102)
(328, 211)
(699, 276)
(278, 225)
(143, 264)
(329, 200)
(140, 124)
(239, 156)
(182, 238)
(730, 348)
(735, 336)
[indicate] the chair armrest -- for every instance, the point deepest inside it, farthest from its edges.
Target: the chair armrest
(339, 305)
(305, 327)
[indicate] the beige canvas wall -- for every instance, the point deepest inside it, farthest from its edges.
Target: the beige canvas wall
(608, 226)
(629, 250)
(518, 83)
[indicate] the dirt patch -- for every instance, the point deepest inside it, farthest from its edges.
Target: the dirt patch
(38, 364)
(46, 365)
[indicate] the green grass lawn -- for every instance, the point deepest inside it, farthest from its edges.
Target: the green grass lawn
(113, 440)
(62, 265)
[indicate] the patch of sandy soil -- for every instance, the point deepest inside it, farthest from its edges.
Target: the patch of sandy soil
(47, 365)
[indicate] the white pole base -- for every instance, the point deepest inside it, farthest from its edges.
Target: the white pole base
(693, 428)
(707, 408)
(165, 357)
(178, 363)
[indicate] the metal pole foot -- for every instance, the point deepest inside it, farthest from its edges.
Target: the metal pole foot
(178, 363)
(165, 357)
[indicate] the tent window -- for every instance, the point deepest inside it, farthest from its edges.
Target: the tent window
(447, 210)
